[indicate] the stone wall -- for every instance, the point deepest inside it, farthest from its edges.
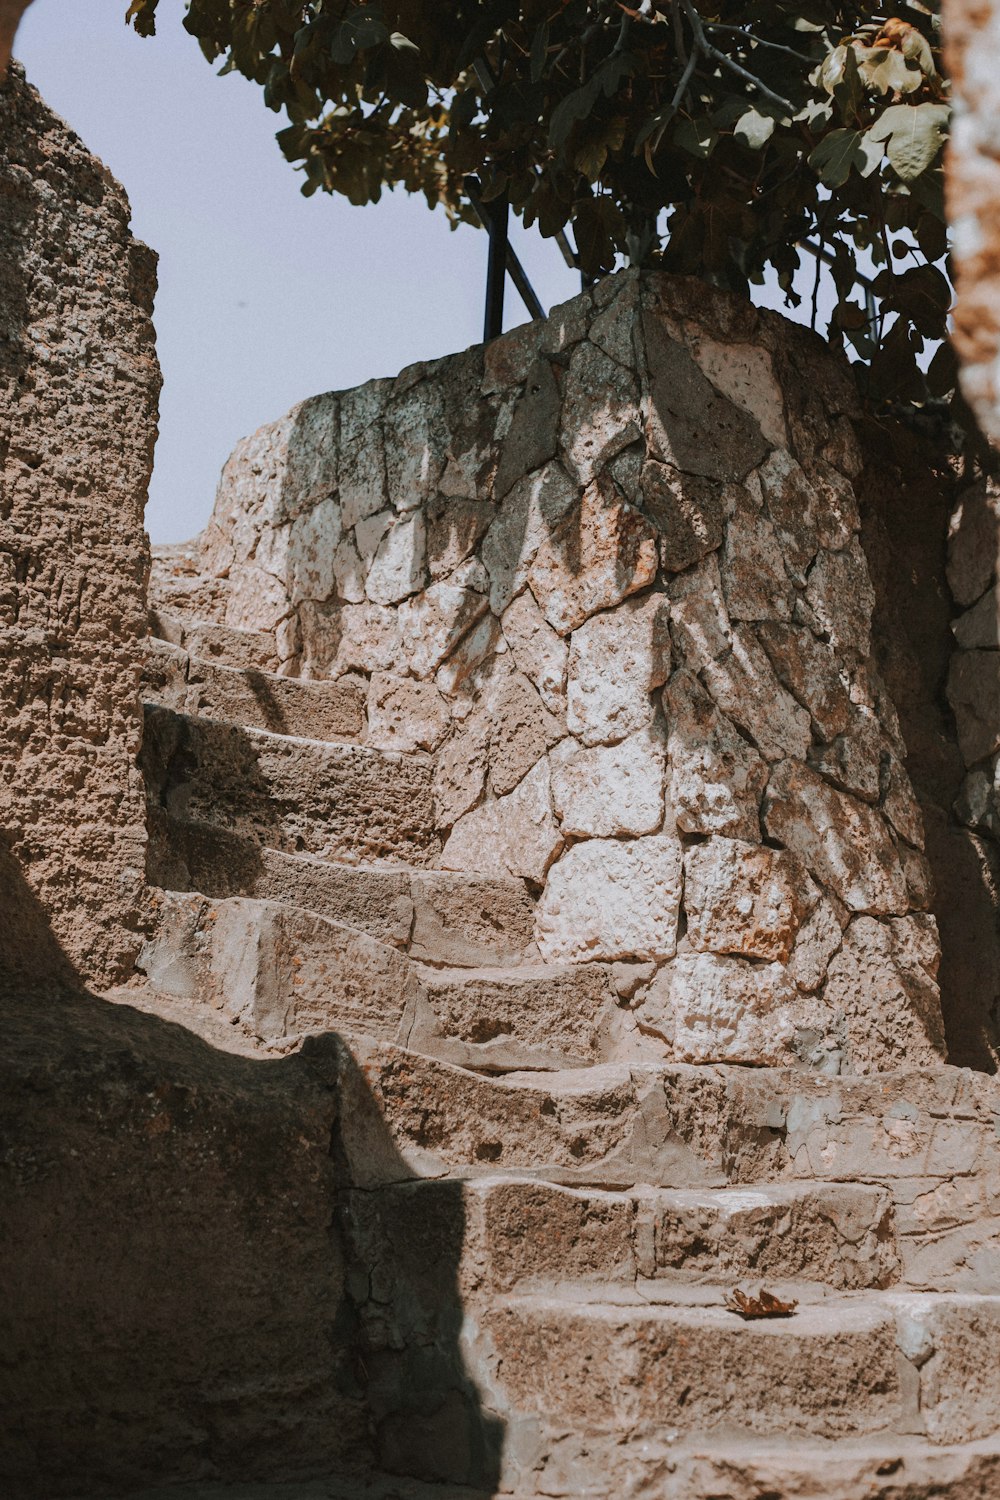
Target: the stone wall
(972, 38)
(607, 574)
(78, 390)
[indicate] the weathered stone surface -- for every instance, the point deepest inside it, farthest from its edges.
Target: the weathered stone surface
(689, 513)
(404, 714)
(399, 567)
(114, 1118)
(616, 660)
(433, 624)
(842, 598)
(743, 898)
(690, 424)
(298, 796)
(600, 412)
(716, 778)
(79, 384)
(521, 733)
(853, 761)
(517, 833)
(530, 513)
(816, 942)
(699, 622)
(979, 628)
(973, 543)
(840, 1234)
(792, 504)
(707, 1008)
(602, 551)
(605, 899)
(841, 841)
(744, 373)
(754, 580)
(808, 669)
(744, 686)
(502, 1021)
(974, 694)
(533, 435)
(415, 441)
(610, 790)
(460, 769)
(459, 919)
(883, 980)
(258, 700)
(688, 1370)
(537, 650)
(278, 972)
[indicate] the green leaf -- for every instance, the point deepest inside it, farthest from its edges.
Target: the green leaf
(888, 71)
(699, 137)
(914, 134)
(754, 129)
(841, 150)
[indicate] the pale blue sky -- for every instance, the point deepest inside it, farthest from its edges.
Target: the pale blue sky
(265, 296)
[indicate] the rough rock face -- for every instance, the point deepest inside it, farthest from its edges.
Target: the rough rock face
(972, 37)
(606, 577)
(78, 390)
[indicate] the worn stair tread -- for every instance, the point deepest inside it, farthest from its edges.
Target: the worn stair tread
(331, 710)
(848, 1364)
(886, 1468)
(301, 795)
(441, 916)
(230, 645)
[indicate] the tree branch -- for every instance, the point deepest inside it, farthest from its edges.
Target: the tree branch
(708, 49)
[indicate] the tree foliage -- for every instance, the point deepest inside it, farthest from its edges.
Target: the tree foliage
(712, 139)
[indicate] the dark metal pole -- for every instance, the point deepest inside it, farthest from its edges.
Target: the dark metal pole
(498, 211)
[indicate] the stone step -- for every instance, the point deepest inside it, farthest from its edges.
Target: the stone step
(688, 1245)
(852, 1365)
(617, 1125)
(887, 1468)
(209, 641)
(439, 916)
(302, 796)
(283, 973)
(325, 710)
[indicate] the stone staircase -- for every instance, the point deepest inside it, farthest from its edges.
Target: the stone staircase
(543, 1224)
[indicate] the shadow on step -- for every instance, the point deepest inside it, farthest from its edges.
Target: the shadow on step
(189, 1294)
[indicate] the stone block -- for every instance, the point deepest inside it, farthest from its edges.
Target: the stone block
(537, 650)
(505, 1020)
(616, 660)
(745, 899)
(841, 597)
(601, 551)
(883, 980)
(435, 621)
(600, 411)
(528, 514)
(405, 715)
(752, 565)
(844, 843)
(716, 778)
(610, 790)
(689, 513)
(712, 1009)
(516, 834)
(808, 668)
(399, 567)
(744, 686)
(974, 694)
(608, 900)
(690, 424)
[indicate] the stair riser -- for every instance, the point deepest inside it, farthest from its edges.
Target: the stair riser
(252, 650)
(829, 1372)
(518, 1235)
(438, 917)
(332, 711)
(298, 796)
